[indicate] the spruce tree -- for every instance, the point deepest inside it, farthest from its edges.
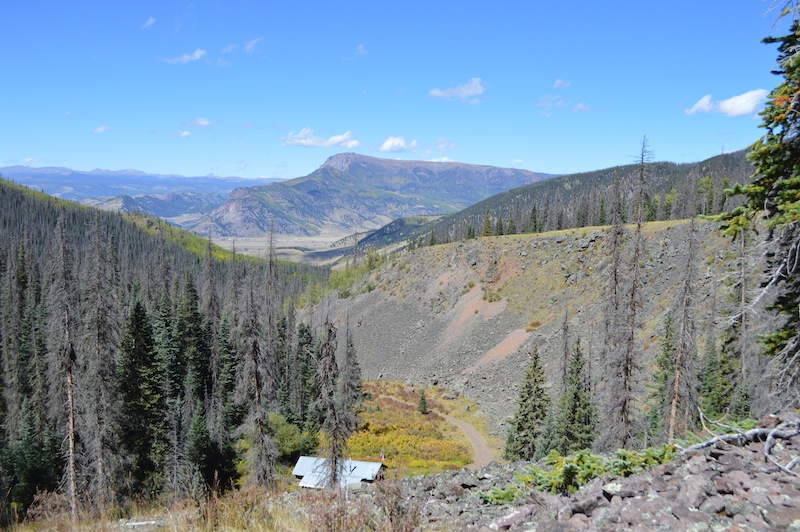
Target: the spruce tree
(665, 367)
(576, 415)
(199, 449)
(774, 189)
(487, 224)
(526, 426)
(141, 421)
(422, 404)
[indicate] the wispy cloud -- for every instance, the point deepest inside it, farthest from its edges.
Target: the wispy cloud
(550, 102)
(441, 146)
(186, 58)
(470, 92)
(200, 122)
(441, 160)
(307, 139)
(250, 46)
(149, 22)
(184, 134)
(361, 49)
(561, 84)
(741, 105)
(517, 161)
(398, 144)
(230, 48)
(99, 130)
(580, 107)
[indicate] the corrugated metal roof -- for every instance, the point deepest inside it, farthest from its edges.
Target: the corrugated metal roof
(314, 471)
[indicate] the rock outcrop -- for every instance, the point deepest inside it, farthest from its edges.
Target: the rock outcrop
(721, 487)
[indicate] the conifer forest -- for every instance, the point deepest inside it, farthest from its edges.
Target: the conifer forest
(132, 366)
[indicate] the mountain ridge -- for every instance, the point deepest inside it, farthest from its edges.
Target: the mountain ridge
(352, 192)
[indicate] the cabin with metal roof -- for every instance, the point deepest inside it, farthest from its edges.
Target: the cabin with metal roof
(313, 472)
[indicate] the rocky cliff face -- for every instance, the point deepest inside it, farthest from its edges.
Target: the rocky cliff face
(466, 315)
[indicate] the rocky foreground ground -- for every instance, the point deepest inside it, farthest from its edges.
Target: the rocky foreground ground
(730, 485)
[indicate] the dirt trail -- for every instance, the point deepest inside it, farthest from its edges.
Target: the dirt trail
(483, 452)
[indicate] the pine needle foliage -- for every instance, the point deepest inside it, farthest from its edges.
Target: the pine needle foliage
(528, 421)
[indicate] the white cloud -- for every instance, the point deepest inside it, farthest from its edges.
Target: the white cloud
(307, 139)
(470, 92)
(703, 105)
(101, 129)
(250, 46)
(517, 161)
(184, 134)
(230, 48)
(561, 84)
(397, 144)
(744, 104)
(186, 58)
(441, 160)
(361, 49)
(580, 107)
(149, 22)
(200, 122)
(741, 105)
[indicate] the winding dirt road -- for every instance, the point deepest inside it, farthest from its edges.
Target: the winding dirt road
(483, 452)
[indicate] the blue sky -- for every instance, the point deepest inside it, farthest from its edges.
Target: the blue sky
(272, 89)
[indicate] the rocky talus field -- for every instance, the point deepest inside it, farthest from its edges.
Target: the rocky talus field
(727, 486)
(466, 315)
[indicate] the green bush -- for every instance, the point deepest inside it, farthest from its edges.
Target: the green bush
(566, 474)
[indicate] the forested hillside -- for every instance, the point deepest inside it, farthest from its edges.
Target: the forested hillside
(672, 191)
(140, 362)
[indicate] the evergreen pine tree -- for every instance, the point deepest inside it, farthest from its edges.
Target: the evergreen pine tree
(199, 450)
(141, 421)
(422, 404)
(487, 224)
(775, 188)
(665, 367)
(531, 412)
(576, 414)
(511, 228)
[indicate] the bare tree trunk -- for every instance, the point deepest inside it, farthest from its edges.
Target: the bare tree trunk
(71, 468)
(683, 378)
(630, 363)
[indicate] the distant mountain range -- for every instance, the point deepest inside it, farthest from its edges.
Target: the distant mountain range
(352, 192)
(180, 200)
(75, 185)
(348, 193)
